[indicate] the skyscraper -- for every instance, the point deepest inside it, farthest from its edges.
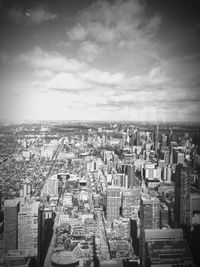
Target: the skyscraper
(166, 247)
(131, 202)
(163, 140)
(45, 231)
(26, 191)
(149, 218)
(164, 215)
(167, 156)
(51, 187)
(131, 175)
(11, 209)
(156, 138)
(28, 227)
(132, 139)
(182, 194)
(138, 137)
(113, 203)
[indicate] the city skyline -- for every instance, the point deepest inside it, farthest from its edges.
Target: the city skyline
(101, 194)
(99, 60)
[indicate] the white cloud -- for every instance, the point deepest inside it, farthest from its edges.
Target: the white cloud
(114, 22)
(90, 50)
(115, 71)
(43, 73)
(82, 81)
(100, 33)
(77, 33)
(116, 36)
(39, 15)
(68, 81)
(35, 16)
(152, 25)
(155, 77)
(41, 60)
(97, 76)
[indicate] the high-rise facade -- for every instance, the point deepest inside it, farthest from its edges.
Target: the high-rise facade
(164, 215)
(45, 232)
(51, 187)
(131, 175)
(156, 138)
(167, 156)
(138, 137)
(113, 203)
(149, 171)
(166, 247)
(149, 218)
(11, 209)
(131, 202)
(163, 140)
(178, 157)
(182, 194)
(26, 191)
(28, 228)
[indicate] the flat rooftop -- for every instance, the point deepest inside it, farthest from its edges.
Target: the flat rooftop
(11, 202)
(169, 250)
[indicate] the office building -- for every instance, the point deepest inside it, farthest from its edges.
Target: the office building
(166, 247)
(182, 194)
(116, 179)
(26, 190)
(64, 258)
(121, 228)
(161, 163)
(164, 215)
(156, 139)
(50, 187)
(147, 155)
(11, 209)
(131, 202)
(178, 156)
(149, 171)
(195, 209)
(17, 258)
(163, 140)
(113, 203)
(148, 146)
(131, 175)
(167, 156)
(124, 168)
(45, 231)
(149, 218)
(138, 137)
(152, 173)
(164, 173)
(167, 174)
(28, 228)
(132, 139)
(123, 180)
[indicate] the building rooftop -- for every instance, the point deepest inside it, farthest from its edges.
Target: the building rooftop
(160, 234)
(63, 258)
(168, 251)
(11, 202)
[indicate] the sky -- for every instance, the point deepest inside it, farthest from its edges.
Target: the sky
(100, 60)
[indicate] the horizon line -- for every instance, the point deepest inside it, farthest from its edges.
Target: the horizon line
(92, 120)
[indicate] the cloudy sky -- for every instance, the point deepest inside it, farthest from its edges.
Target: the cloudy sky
(100, 60)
